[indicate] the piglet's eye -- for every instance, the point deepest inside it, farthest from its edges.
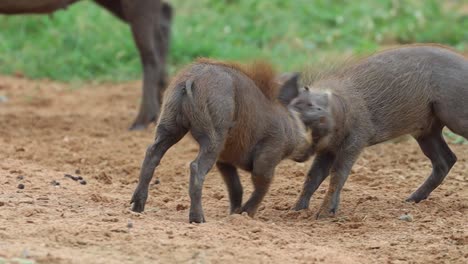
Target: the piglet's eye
(309, 105)
(319, 109)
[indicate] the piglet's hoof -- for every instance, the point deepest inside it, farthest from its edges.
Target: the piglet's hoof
(324, 213)
(249, 210)
(301, 205)
(414, 198)
(237, 210)
(137, 204)
(196, 218)
(137, 207)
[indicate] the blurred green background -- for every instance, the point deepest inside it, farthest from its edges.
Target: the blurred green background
(86, 43)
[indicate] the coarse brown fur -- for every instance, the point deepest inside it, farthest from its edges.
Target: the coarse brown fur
(230, 111)
(261, 72)
(413, 89)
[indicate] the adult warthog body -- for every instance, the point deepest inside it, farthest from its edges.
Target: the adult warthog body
(150, 22)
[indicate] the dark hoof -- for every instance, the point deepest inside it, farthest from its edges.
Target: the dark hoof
(138, 204)
(196, 218)
(323, 213)
(138, 207)
(250, 211)
(413, 200)
(324, 216)
(236, 210)
(301, 205)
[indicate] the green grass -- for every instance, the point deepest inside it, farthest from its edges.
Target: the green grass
(87, 43)
(454, 138)
(84, 42)
(294, 33)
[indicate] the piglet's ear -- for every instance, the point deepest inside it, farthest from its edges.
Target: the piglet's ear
(289, 89)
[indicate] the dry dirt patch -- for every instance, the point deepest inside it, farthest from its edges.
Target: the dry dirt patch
(49, 129)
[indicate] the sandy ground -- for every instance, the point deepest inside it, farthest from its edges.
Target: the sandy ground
(49, 129)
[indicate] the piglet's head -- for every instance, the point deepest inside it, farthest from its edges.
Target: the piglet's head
(312, 105)
(313, 108)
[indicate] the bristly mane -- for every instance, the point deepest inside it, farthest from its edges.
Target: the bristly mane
(261, 72)
(336, 67)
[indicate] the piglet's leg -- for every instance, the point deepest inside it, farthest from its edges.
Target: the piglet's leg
(339, 174)
(209, 151)
(164, 140)
(442, 158)
(318, 172)
(233, 184)
(262, 174)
